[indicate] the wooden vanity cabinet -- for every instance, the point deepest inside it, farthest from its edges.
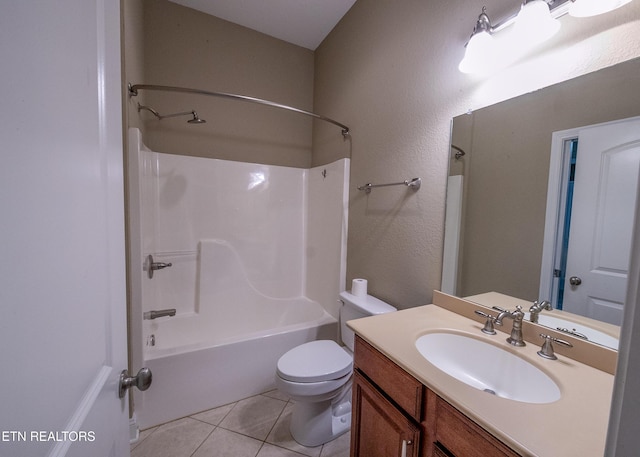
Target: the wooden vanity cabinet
(395, 415)
(386, 407)
(379, 428)
(451, 433)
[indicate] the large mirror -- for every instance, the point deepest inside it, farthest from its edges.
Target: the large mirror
(506, 217)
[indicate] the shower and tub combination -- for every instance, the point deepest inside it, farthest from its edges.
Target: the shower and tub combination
(233, 264)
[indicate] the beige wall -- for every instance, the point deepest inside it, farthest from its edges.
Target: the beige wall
(183, 47)
(389, 71)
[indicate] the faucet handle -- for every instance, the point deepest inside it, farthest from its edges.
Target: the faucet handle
(488, 325)
(538, 306)
(546, 350)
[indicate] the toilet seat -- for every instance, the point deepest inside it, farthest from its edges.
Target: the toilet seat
(314, 391)
(316, 361)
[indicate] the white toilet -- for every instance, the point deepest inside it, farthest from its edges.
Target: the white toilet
(317, 375)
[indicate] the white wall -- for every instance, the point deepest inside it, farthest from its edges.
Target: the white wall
(622, 436)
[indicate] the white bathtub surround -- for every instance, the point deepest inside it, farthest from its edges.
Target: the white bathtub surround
(258, 259)
(326, 233)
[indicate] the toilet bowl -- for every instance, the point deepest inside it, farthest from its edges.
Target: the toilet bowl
(317, 375)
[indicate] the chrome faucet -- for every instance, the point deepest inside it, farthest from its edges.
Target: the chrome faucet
(537, 308)
(516, 338)
(547, 351)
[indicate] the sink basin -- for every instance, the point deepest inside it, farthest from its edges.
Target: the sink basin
(595, 336)
(487, 367)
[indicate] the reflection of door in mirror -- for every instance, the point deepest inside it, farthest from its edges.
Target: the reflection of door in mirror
(499, 224)
(587, 275)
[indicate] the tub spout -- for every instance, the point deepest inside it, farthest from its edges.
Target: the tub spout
(159, 313)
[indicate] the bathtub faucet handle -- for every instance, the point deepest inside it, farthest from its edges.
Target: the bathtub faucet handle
(150, 266)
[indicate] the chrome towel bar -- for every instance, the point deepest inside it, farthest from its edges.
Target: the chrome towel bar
(414, 184)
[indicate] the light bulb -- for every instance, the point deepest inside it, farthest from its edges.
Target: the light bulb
(480, 54)
(534, 23)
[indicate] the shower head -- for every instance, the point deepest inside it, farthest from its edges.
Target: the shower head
(195, 120)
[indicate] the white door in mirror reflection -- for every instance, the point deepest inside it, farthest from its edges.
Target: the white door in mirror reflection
(602, 220)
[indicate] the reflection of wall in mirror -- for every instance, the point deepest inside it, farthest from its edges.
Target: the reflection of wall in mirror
(461, 136)
(506, 173)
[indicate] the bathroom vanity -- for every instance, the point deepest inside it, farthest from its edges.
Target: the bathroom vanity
(390, 407)
(404, 406)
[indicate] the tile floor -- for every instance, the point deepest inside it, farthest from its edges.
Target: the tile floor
(254, 427)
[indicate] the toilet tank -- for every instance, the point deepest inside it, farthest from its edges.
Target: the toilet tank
(356, 308)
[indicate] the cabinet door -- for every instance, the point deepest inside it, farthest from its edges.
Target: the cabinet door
(460, 436)
(379, 429)
(405, 390)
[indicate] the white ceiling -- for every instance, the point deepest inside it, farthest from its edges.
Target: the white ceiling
(302, 22)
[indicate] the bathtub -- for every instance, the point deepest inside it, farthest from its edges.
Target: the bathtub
(253, 274)
(209, 371)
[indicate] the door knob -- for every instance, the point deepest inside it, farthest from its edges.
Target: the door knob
(142, 381)
(575, 281)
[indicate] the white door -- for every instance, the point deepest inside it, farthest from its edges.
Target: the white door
(62, 279)
(602, 219)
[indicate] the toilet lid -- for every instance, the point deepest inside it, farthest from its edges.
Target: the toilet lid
(320, 360)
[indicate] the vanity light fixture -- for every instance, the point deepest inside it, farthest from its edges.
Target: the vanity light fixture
(587, 8)
(537, 21)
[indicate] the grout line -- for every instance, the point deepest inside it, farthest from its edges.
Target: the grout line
(205, 439)
(261, 446)
(223, 418)
(139, 442)
(276, 421)
(289, 450)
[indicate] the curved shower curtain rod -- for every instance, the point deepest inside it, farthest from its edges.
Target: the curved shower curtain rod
(133, 91)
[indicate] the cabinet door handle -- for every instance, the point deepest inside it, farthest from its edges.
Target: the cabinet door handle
(405, 443)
